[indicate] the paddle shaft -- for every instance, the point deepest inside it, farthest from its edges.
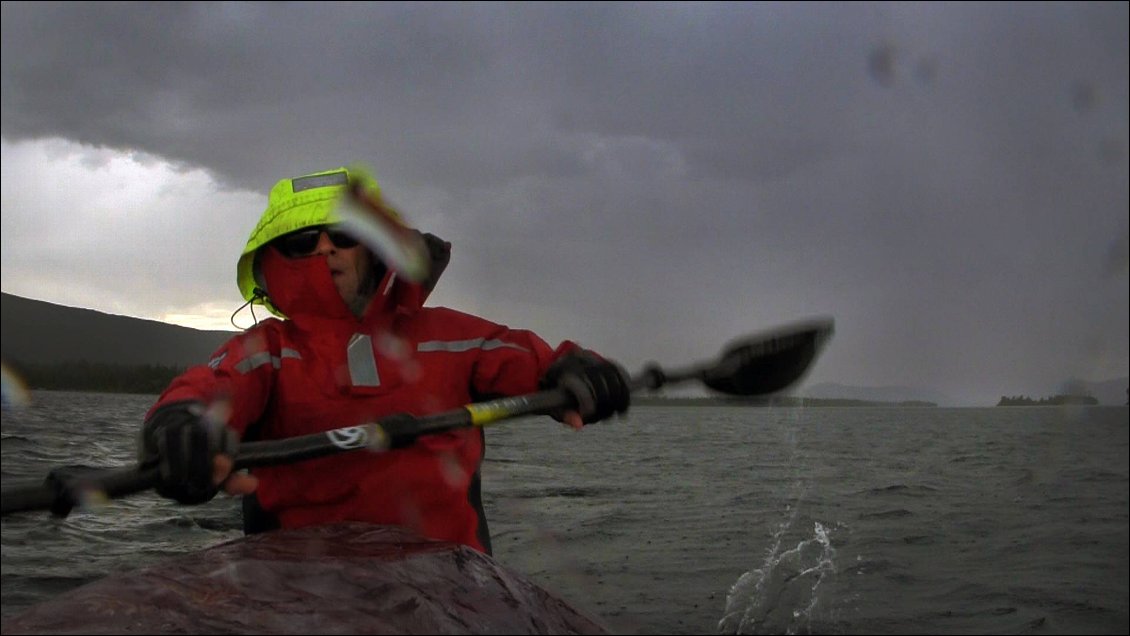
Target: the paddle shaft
(62, 490)
(756, 366)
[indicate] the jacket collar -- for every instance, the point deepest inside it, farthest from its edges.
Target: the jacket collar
(304, 291)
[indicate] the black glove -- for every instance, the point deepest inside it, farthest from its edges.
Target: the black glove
(599, 386)
(181, 444)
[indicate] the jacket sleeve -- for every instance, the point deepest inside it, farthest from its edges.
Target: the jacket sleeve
(240, 373)
(512, 361)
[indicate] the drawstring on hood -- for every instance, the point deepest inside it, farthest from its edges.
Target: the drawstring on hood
(257, 295)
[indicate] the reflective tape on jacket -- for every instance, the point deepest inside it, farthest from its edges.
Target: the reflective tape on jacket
(458, 346)
(253, 362)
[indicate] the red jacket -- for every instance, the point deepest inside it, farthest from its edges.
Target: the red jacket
(325, 368)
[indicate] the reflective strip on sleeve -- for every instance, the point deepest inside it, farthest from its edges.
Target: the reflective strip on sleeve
(251, 363)
(457, 346)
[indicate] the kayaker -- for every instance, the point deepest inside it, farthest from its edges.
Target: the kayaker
(354, 344)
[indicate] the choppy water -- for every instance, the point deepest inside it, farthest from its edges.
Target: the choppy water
(700, 520)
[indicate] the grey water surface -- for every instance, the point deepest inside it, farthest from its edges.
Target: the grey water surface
(706, 519)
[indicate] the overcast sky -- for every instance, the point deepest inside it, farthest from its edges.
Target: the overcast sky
(948, 181)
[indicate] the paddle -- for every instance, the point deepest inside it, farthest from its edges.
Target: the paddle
(757, 365)
(365, 214)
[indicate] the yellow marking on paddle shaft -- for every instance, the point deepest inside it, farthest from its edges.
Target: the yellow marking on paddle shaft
(490, 412)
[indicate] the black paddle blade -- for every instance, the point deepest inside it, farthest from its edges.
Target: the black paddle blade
(769, 362)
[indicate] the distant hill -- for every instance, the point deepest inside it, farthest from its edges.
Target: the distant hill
(777, 401)
(1108, 392)
(896, 394)
(41, 333)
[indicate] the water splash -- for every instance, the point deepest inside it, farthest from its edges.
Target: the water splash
(783, 595)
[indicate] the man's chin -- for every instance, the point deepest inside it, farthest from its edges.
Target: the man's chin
(344, 291)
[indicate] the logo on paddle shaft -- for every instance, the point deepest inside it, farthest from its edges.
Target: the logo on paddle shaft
(350, 437)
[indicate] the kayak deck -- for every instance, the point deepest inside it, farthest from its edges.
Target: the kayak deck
(347, 578)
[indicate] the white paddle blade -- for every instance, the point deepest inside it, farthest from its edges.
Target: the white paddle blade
(371, 221)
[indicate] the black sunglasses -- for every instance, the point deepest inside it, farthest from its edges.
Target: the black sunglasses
(304, 242)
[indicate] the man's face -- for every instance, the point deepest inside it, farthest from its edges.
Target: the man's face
(350, 264)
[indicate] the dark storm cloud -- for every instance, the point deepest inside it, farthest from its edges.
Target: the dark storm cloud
(949, 181)
(474, 94)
